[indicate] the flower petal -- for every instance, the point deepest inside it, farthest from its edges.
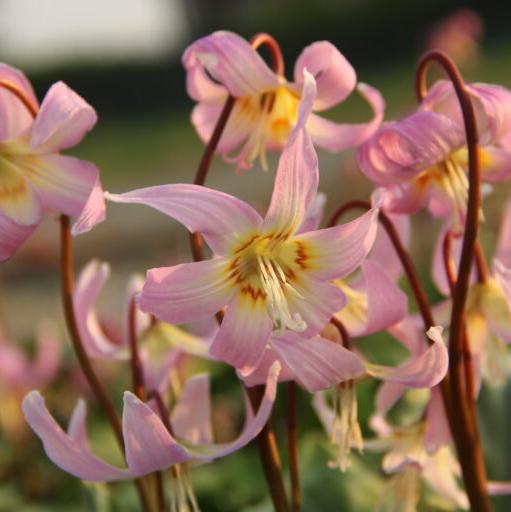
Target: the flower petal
(244, 332)
(335, 252)
(16, 119)
(88, 287)
(12, 235)
(400, 150)
(232, 61)
(339, 136)
(148, 444)
(423, 371)
(222, 219)
(191, 416)
(187, 292)
(68, 451)
(317, 363)
(496, 164)
(437, 432)
(63, 183)
(62, 121)
(503, 250)
(296, 181)
(201, 88)
(93, 211)
(387, 396)
(334, 75)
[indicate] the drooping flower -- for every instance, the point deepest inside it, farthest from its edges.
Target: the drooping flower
(421, 160)
(34, 177)
(149, 446)
(266, 107)
(269, 274)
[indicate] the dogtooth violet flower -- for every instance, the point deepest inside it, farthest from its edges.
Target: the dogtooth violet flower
(34, 177)
(268, 273)
(266, 106)
(149, 446)
(422, 160)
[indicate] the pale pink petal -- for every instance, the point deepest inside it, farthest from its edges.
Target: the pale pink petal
(88, 287)
(232, 61)
(15, 119)
(260, 373)
(315, 302)
(296, 181)
(63, 183)
(62, 121)
(386, 303)
(14, 366)
(68, 452)
(241, 122)
(222, 219)
(187, 292)
(48, 354)
(244, 332)
(12, 235)
(335, 252)
(503, 250)
(334, 75)
(383, 251)
(314, 214)
(201, 88)
(424, 371)
(148, 444)
(142, 320)
(317, 363)
(339, 136)
(157, 372)
(253, 423)
(498, 488)
(191, 416)
(93, 212)
(496, 164)
(437, 432)
(388, 394)
(410, 333)
(77, 426)
(400, 150)
(404, 198)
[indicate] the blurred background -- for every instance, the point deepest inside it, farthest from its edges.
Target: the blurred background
(123, 57)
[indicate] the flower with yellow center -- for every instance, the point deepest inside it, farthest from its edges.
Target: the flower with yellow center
(269, 274)
(266, 107)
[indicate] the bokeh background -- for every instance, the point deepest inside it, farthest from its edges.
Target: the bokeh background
(123, 56)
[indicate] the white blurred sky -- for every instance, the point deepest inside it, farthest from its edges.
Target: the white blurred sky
(38, 33)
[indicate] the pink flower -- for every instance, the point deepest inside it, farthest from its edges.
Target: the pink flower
(421, 160)
(149, 445)
(34, 177)
(268, 273)
(266, 107)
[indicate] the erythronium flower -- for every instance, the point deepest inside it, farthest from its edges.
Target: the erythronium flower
(34, 177)
(271, 275)
(422, 159)
(266, 107)
(148, 444)
(157, 356)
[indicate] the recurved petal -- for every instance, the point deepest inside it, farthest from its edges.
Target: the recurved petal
(93, 212)
(496, 164)
(14, 115)
(398, 151)
(68, 451)
(12, 235)
(296, 181)
(148, 444)
(317, 363)
(187, 292)
(424, 371)
(334, 75)
(62, 121)
(201, 88)
(64, 184)
(335, 136)
(222, 219)
(191, 416)
(437, 433)
(244, 332)
(337, 251)
(232, 61)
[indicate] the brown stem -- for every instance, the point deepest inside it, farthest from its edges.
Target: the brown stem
(277, 61)
(292, 438)
(137, 372)
(32, 107)
(483, 274)
(345, 335)
(466, 434)
(85, 364)
(269, 455)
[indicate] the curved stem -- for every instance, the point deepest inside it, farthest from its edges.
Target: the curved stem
(483, 274)
(85, 364)
(466, 431)
(292, 438)
(26, 100)
(277, 60)
(345, 336)
(137, 372)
